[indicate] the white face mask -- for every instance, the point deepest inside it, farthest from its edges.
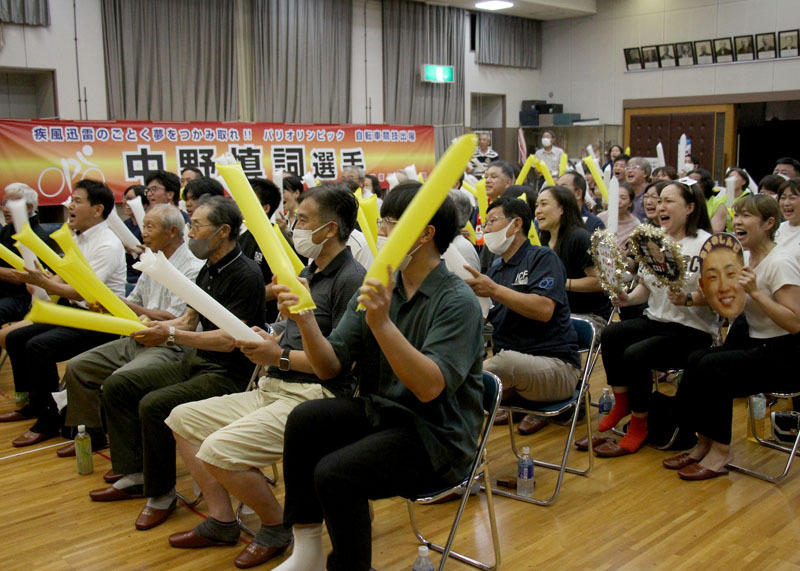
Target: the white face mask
(380, 242)
(546, 141)
(498, 242)
(304, 244)
(407, 260)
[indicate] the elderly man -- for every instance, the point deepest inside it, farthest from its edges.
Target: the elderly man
(637, 174)
(224, 441)
(577, 184)
(15, 300)
(162, 232)
(138, 400)
(549, 154)
(35, 350)
(499, 176)
(482, 156)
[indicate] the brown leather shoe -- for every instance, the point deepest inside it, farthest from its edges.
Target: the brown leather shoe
(610, 450)
(66, 451)
(583, 443)
(151, 517)
(501, 418)
(678, 462)
(191, 540)
(30, 438)
(697, 472)
(112, 494)
(111, 476)
(530, 425)
(255, 554)
(13, 416)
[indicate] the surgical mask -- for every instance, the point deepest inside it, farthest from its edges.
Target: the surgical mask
(546, 141)
(380, 242)
(407, 260)
(304, 244)
(201, 247)
(498, 242)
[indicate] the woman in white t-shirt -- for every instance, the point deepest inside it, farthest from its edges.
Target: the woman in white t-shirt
(788, 234)
(764, 338)
(673, 326)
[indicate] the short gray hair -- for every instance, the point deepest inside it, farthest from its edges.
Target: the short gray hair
(170, 216)
(463, 206)
(30, 196)
(358, 170)
(643, 164)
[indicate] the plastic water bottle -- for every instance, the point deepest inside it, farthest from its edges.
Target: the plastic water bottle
(83, 451)
(759, 403)
(525, 474)
(606, 403)
(423, 561)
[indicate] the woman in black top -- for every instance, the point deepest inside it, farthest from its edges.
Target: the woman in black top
(561, 228)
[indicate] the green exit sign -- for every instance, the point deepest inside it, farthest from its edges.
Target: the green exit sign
(437, 73)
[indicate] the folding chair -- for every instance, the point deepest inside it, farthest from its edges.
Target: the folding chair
(776, 446)
(587, 343)
(479, 470)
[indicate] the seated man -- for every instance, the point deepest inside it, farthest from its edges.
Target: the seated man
(225, 440)
(35, 350)
(535, 345)
(414, 428)
(138, 400)
(85, 374)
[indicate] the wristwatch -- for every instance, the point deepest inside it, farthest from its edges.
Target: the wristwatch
(689, 300)
(283, 363)
(171, 338)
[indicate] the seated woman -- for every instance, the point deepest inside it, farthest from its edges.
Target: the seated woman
(627, 221)
(788, 234)
(715, 376)
(671, 329)
(561, 228)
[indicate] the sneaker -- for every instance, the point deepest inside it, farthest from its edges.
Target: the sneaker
(20, 398)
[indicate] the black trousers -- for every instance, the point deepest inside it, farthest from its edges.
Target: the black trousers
(634, 347)
(34, 352)
(335, 460)
(14, 308)
(714, 377)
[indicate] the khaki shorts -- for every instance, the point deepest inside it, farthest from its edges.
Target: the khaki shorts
(243, 430)
(535, 378)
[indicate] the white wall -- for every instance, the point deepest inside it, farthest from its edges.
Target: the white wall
(53, 48)
(584, 67)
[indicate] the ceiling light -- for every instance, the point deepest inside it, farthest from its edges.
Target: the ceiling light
(494, 5)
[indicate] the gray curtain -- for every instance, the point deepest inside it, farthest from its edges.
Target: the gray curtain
(415, 34)
(302, 55)
(170, 60)
(508, 41)
(28, 12)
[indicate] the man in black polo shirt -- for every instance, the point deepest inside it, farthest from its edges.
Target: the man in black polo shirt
(138, 400)
(536, 347)
(226, 440)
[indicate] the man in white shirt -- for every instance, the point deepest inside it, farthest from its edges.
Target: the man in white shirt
(162, 232)
(35, 350)
(550, 154)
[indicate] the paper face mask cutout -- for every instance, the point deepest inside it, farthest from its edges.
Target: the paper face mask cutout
(721, 262)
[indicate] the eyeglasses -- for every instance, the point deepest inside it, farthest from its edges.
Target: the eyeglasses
(492, 221)
(632, 167)
(198, 226)
(387, 223)
(155, 188)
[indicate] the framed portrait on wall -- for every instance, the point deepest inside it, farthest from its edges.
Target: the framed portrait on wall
(633, 58)
(650, 57)
(685, 53)
(723, 50)
(787, 42)
(765, 46)
(666, 55)
(743, 45)
(704, 52)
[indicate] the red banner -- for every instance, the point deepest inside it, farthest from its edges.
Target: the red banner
(50, 156)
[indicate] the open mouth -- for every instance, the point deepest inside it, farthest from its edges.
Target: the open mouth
(727, 301)
(741, 234)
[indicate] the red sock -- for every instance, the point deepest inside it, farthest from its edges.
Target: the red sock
(621, 410)
(636, 435)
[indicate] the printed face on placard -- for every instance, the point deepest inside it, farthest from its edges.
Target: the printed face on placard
(660, 261)
(721, 262)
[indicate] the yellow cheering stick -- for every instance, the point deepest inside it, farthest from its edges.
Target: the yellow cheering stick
(368, 219)
(483, 199)
(422, 208)
(545, 172)
(533, 235)
(81, 270)
(12, 259)
(526, 168)
(562, 164)
(370, 206)
(597, 175)
(54, 314)
(297, 263)
(469, 188)
(263, 232)
(472, 237)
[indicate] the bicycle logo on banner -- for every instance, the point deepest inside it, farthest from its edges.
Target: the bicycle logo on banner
(53, 179)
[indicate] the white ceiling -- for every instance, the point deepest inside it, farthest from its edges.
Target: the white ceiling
(535, 9)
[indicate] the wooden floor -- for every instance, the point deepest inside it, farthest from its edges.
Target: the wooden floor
(628, 513)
